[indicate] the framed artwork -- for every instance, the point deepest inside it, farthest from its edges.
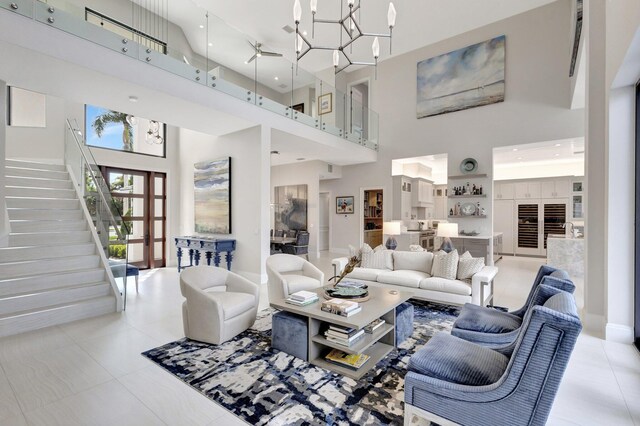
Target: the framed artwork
(298, 107)
(212, 192)
(344, 205)
(290, 207)
(465, 78)
(325, 103)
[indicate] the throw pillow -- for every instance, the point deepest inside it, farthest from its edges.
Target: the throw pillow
(416, 247)
(412, 261)
(353, 251)
(381, 259)
(445, 265)
(466, 255)
(467, 268)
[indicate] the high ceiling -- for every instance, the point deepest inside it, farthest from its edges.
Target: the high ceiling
(419, 23)
(560, 151)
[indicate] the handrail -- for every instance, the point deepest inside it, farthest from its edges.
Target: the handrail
(99, 190)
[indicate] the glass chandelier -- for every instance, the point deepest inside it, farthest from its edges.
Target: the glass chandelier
(349, 24)
(153, 133)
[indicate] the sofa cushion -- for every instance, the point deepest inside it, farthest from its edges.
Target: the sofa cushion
(468, 267)
(486, 320)
(368, 274)
(413, 261)
(233, 304)
(446, 286)
(381, 259)
(445, 265)
(402, 278)
(297, 282)
(449, 358)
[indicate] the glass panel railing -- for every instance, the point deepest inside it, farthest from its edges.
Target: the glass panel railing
(105, 211)
(208, 51)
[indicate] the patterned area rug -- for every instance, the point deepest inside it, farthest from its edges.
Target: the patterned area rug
(264, 386)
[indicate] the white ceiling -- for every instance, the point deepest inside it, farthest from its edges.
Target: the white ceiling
(419, 23)
(558, 152)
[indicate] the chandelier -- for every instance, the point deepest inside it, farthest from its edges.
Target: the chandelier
(347, 24)
(153, 133)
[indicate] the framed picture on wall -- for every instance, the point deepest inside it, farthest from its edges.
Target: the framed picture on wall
(344, 205)
(298, 107)
(325, 103)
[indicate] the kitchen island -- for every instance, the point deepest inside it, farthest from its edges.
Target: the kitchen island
(482, 245)
(566, 253)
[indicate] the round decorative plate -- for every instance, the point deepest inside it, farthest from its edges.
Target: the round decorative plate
(468, 209)
(469, 165)
(347, 293)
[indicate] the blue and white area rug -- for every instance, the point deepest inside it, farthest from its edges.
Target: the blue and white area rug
(264, 386)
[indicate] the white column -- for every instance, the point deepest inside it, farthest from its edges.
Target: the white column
(4, 220)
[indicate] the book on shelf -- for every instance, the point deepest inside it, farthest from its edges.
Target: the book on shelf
(342, 329)
(345, 308)
(343, 342)
(345, 337)
(373, 325)
(353, 361)
(303, 296)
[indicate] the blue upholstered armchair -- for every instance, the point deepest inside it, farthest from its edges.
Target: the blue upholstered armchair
(300, 247)
(490, 327)
(451, 380)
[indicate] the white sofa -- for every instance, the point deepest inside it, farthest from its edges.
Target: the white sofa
(410, 271)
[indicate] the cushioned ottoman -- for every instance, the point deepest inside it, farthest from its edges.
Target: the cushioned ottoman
(290, 334)
(404, 322)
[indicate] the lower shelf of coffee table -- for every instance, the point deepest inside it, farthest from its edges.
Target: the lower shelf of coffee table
(377, 352)
(361, 345)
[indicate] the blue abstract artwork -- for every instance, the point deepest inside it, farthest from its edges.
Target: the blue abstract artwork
(212, 191)
(465, 78)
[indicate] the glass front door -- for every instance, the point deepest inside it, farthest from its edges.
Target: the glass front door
(141, 198)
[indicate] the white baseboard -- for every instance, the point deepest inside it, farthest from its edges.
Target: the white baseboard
(595, 324)
(619, 333)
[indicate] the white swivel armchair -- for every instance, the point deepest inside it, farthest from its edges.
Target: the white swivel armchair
(220, 304)
(288, 273)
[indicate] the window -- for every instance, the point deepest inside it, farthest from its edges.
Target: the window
(125, 31)
(120, 131)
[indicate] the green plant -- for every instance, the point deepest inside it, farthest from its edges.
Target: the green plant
(118, 251)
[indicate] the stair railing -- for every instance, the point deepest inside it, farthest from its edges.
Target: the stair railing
(111, 228)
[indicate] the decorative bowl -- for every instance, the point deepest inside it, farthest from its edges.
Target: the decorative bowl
(469, 165)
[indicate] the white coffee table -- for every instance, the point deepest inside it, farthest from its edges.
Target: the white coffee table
(377, 345)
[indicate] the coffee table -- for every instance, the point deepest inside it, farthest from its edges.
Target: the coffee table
(377, 345)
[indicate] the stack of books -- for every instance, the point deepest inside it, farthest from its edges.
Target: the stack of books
(344, 336)
(302, 298)
(353, 361)
(373, 325)
(341, 307)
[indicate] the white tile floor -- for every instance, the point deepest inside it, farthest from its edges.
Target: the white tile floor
(91, 372)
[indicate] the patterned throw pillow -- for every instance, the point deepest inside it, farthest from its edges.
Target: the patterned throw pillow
(381, 259)
(466, 255)
(467, 268)
(445, 265)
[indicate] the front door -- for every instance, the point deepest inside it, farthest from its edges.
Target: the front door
(141, 198)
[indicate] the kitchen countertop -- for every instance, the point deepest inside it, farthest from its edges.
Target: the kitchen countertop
(480, 237)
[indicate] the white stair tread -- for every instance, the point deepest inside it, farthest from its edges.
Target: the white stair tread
(17, 254)
(51, 281)
(25, 164)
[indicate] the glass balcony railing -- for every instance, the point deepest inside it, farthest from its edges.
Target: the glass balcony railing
(208, 55)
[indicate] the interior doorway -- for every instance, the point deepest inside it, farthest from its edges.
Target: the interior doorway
(358, 109)
(141, 198)
(372, 216)
(324, 228)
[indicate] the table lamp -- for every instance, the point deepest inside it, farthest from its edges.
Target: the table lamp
(391, 229)
(447, 231)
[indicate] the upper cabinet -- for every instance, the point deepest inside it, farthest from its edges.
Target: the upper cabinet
(504, 191)
(402, 197)
(526, 190)
(555, 189)
(422, 193)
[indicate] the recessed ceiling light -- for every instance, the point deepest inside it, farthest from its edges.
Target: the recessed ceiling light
(557, 155)
(201, 27)
(558, 144)
(301, 159)
(246, 62)
(210, 44)
(304, 33)
(519, 158)
(275, 78)
(133, 99)
(515, 149)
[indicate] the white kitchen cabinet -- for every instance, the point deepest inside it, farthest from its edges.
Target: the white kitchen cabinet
(504, 191)
(422, 193)
(504, 221)
(524, 190)
(558, 188)
(440, 208)
(402, 197)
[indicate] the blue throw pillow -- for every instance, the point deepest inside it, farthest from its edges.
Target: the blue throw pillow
(485, 320)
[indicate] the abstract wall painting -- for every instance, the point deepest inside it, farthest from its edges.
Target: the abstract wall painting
(465, 78)
(290, 205)
(212, 190)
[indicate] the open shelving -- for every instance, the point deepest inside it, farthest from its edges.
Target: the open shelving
(468, 217)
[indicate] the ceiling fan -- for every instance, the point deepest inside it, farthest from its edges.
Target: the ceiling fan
(258, 52)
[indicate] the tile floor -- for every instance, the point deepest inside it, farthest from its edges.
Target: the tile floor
(91, 372)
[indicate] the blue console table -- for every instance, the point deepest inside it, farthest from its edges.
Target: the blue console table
(211, 247)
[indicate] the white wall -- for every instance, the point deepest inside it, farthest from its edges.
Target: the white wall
(620, 216)
(40, 143)
(535, 108)
(249, 152)
(538, 170)
(4, 220)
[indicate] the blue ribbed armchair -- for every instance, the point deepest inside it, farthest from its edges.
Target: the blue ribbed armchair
(452, 381)
(492, 328)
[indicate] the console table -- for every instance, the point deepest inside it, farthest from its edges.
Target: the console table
(211, 247)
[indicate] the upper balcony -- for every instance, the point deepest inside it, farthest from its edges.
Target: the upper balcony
(208, 55)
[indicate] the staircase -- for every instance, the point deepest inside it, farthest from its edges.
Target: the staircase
(51, 272)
